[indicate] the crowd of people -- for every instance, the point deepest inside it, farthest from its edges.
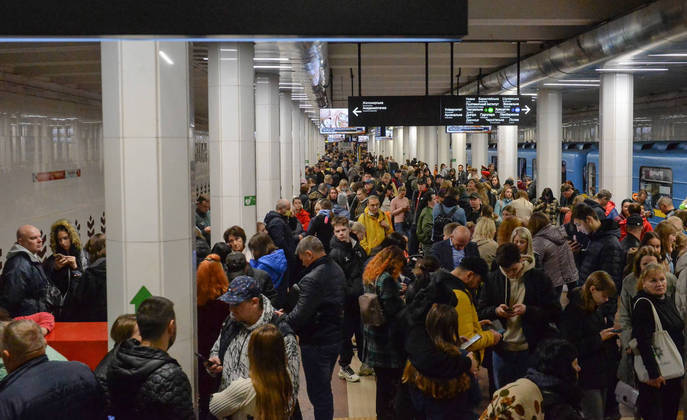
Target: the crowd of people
(427, 275)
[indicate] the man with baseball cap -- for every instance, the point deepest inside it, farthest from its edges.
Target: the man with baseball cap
(250, 310)
(474, 210)
(633, 226)
(465, 281)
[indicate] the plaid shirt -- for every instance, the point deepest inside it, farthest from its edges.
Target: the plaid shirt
(550, 209)
(380, 349)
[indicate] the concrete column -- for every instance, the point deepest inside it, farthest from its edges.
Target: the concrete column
(147, 114)
(615, 147)
(406, 144)
(296, 160)
(507, 152)
(421, 148)
(231, 112)
(480, 146)
(267, 163)
(458, 149)
(412, 143)
(285, 145)
(399, 143)
(549, 141)
(432, 145)
(443, 148)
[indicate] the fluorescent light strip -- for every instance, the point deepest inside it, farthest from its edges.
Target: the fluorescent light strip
(205, 59)
(669, 55)
(528, 94)
(273, 67)
(270, 59)
(649, 63)
(573, 84)
(166, 57)
(631, 69)
(579, 81)
(292, 87)
(369, 40)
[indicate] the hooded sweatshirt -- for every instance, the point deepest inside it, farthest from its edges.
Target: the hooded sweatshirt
(514, 337)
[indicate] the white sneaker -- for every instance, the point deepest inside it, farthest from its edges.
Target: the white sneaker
(347, 373)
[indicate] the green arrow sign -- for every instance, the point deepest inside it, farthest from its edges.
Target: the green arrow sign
(142, 295)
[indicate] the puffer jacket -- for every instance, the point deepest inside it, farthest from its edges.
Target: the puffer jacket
(281, 233)
(604, 252)
(44, 389)
(274, 264)
(551, 244)
(23, 283)
(351, 258)
(317, 317)
(146, 383)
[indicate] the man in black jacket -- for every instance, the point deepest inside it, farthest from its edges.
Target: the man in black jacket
(351, 257)
(451, 251)
(523, 299)
(37, 388)
(143, 381)
(23, 283)
(321, 225)
(317, 318)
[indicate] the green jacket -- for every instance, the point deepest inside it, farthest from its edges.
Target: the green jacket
(424, 226)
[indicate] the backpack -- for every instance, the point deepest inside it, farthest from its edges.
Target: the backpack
(442, 220)
(371, 312)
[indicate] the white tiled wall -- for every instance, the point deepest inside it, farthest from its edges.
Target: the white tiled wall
(42, 135)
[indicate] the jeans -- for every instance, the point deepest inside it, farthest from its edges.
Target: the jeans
(509, 366)
(318, 365)
(398, 227)
(351, 326)
(592, 404)
(430, 409)
(388, 385)
(660, 404)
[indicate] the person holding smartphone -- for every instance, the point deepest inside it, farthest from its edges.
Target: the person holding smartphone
(584, 326)
(64, 268)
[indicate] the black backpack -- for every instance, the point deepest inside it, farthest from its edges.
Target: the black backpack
(442, 220)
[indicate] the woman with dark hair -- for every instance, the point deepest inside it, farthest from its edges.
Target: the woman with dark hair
(235, 237)
(624, 208)
(211, 283)
(65, 267)
(548, 204)
(268, 393)
(550, 244)
(438, 373)
(494, 189)
(659, 398)
(267, 257)
(381, 351)
(92, 288)
(584, 326)
(424, 267)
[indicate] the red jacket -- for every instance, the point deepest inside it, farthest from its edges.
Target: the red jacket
(645, 228)
(303, 217)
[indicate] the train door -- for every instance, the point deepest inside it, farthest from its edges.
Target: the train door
(495, 161)
(563, 178)
(590, 181)
(534, 169)
(522, 168)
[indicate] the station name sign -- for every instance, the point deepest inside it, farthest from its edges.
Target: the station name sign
(441, 110)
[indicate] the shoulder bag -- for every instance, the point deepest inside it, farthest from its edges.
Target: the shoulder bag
(371, 312)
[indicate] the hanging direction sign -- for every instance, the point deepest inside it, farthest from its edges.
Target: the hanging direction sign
(441, 110)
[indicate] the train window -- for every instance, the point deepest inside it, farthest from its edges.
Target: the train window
(522, 167)
(563, 179)
(656, 181)
(591, 178)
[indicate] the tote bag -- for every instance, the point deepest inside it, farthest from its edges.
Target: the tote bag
(667, 356)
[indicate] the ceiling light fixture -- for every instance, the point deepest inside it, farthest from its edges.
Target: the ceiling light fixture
(573, 84)
(649, 63)
(205, 59)
(271, 59)
(228, 49)
(292, 87)
(579, 81)
(629, 69)
(669, 55)
(528, 94)
(166, 58)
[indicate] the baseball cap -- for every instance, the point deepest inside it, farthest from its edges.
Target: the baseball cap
(474, 195)
(240, 290)
(475, 264)
(635, 220)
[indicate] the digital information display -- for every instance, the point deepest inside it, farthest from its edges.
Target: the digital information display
(335, 121)
(441, 110)
(468, 129)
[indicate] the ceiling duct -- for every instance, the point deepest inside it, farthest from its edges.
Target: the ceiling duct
(657, 23)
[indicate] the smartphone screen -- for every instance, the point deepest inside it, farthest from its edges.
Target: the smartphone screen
(475, 338)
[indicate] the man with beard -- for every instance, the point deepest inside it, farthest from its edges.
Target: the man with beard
(143, 380)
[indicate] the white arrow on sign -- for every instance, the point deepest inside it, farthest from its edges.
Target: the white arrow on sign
(527, 109)
(356, 111)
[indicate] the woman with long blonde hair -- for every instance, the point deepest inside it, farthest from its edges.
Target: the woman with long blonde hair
(268, 393)
(380, 352)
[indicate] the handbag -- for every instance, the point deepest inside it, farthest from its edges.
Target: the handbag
(626, 395)
(371, 312)
(668, 358)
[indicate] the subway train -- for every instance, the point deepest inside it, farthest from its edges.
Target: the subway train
(656, 167)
